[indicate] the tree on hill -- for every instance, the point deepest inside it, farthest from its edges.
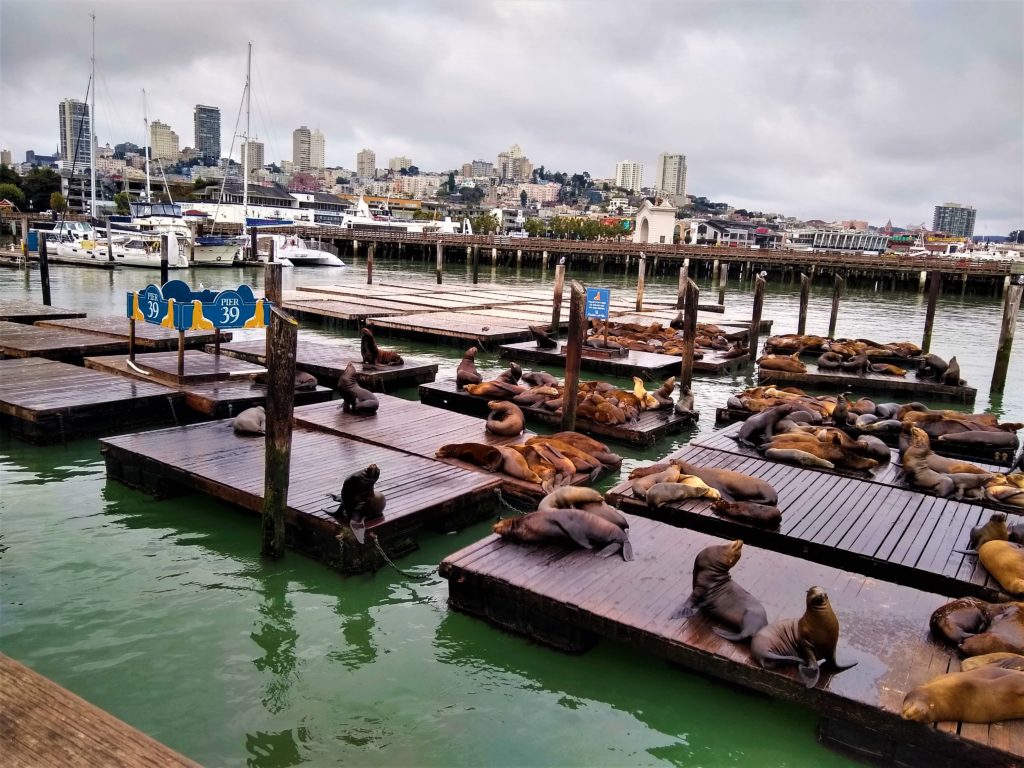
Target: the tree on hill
(38, 185)
(485, 224)
(523, 198)
(122, 200)
(13, 193)
(9, 176)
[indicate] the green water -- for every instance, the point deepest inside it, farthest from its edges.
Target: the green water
(163, 613)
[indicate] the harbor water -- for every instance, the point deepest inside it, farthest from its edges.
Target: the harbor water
(163, 613)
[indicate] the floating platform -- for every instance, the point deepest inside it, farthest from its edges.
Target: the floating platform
(21, 340)
(648, 429)
(866, 527)
(213, 387)
(327, 361)
(46, 725)
(570, 599)
(838, 381)
(16, 311)
(45, 401)
(212, 459)
(458, 328)
(147, 335)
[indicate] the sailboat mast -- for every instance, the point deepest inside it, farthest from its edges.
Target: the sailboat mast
(145, 122)
(92, 124)
(248, 150)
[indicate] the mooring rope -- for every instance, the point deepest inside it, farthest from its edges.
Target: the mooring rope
(406, 574)
(514, 510)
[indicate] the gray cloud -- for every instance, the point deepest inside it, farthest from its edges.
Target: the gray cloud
(828, 110)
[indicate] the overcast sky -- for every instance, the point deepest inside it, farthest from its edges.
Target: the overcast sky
(820, 110)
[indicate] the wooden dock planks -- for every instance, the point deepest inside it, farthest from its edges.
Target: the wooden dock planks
(569, 597)
(47, 401)
(43, 724)
(21, 340)
(648, 365)
(147, 335)
(484, 331)
(838, 381)
(18, 311)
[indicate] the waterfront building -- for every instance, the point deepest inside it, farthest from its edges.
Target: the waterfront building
(75, 130)
(316, 151)
(629, 175)
(670, 177)
(163, 142)
(954, 219)
(206, 121)
(655, 221)
(399, 163)
(366, 164)
(253, 148)
(839, 240)
(301, 138)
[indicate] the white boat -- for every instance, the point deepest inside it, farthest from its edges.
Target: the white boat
(293, 250)
(140, 250)
(360, 218)
(75, 242)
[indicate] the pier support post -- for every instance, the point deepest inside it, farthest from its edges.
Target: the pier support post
(544, 260)
(369, 263)
(355, 248)
(805, 295)
(723, 280)
(641, 274)
(440, 260)
(556, 301)
(283, 335)
(837, 293)
(929, 316)
(164, 277)
(689, 335)
(715, 274)
(1006, 284)
(271, 251)
(494, 257)
(519, 257)
(24, 238)
(110, 242)
(1011, 304)
(920, 281)
(476, 263)
(684, 275)
(755, 319)
(254, 255)
(181, 356)
(44, 269)
(573, 353)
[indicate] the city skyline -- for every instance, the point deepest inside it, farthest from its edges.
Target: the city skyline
(907, 104)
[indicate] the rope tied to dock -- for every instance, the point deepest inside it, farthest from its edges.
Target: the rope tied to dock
(514, 510)
(414, 576)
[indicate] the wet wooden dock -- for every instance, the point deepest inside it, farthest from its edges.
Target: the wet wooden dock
(16, 311)
(867, 527)
(46, 401)
(834, 381)
(651, 366)
(570, 599)
(21, 340)
(327, 361)
(212, 459)
(147, 335)
(43, 724)
(648, 429)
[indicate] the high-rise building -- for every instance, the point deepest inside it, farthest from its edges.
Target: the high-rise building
(399, 163)
(512, 165)
(670, 177)
(301, 138)
(75, 130)
(629, 175)
(5, 157)
(254, 149)
(954, 219)
(316, 150)
(163, 142)
(366, 164)
(207, 127)
(481, 168)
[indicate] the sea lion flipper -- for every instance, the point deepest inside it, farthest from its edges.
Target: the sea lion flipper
(840, 667)
(627, 551)
(573, 532)
(966, 551)
(809, 674)
(687, 609)
(733, 636)
(609, 550)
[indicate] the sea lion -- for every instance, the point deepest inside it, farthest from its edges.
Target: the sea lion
(542, 337)
(304, 382)
(919, 456)
(796, 456)
(467, 373)
(749, 511)
(734, 486)
(486, 456)
(512, 375)
(802, 641)
(640, 485)
(373, 355)
(975, 437)
(587, 499)
(985, 695)
(715, 593)
(663, 394)
(958, 620)
(684, 405)
(251, 421)
(1005, 561)
(505, 419)
(1004, 632)
(494, 389)
(539, 379)
(887, 369)
(994, 530)
(833, 446)
(758, 428)
(874, 448)
(1004, 660)
(354, 397)
(841, 413)
(597, 449)
(788, 363)
(951, 376)
(932, 367)
(660, 494)
(514, 464)
(969, 486)
(359, 502)
(830, 361)
(857, 364)
(560, 525)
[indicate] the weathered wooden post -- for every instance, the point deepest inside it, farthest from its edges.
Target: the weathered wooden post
(929, 315)
(519, 257)
(44, 269)
(110, 242)
(920, 281)
(641, 273)
(837, 294)
(573, 353)
(755, 318)
(24, 237)
(163, 260)
(494, 257)
(689, 335)
(544, 260)
(556, 304)
(254, 255)
(181, 355)
(723, 280)
(1011, 304)
(476, 263)
(684, 276)
(369, 263)
(805, 295)
(283, 333)
(440, 259)
(714, 273)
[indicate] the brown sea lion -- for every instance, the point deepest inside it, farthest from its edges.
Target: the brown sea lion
(887, 369)
(831, 449)
(951, 376)
(467, 373)
(641, 484)
(994, 530)
(359, 502)
(684, 405)
(512, 375)
(561, 525)
(1005, 561)
(804, 641)
(539, 379)
(374, 355)
(582, 461)
(734, 486)
(304, 382)
(251, 421)
(494, 389)
(542, 337)
(505, 419)
(829, 361)
(986, 695)
(797, 456)
(954, 622)
(757, 429)
(663, 394)
(858, 364)
(587, 499)
(486, 456)
(514, 464)
(354, 397)
(597, 449)
(1004, 660)
(715, 593)
(789, 363)
(661, 494)
(975, 437)
(875, 448)
(1004, 633)
(749, 511)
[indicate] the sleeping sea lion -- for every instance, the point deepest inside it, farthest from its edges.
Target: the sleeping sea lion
(587, 499)
(467, 373)
(715, 593)
(505, 419)
(641, 485)
(974, 437)
(830, 361)
(354, 397)
(1004, 660)
(514, 464)
(797, 456)
(561, 525)
(660, 494)
(875, 448)
(887, 369)
(539, 379)
(597, 449)
(802, 641)
(304, 382)
(1005, 561)
(542, 337)
(749, 511)
(251, 421)
(734, 486)
(486, 456)
(1004, 633)
(494, 389)
(988, 694)
(374, 355)
(789, 363)
(954, 622)
(758, 428)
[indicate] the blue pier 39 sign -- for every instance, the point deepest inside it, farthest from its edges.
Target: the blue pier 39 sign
(598, 300)
(175, 305)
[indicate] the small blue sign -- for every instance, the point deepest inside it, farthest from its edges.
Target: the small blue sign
(598, 300)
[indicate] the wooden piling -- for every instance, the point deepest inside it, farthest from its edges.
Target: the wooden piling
(573, 354)
(805, 295)
(164, 265)
(270, 251)
(519, 257)
(181, 355)
(110, 242)
(253, 245)
(929, 317)
(283, 333)
(1011, 305)
(920, 281)
(556, 304)
(714, 273)
(689, 335)
(544, 260)
(476, 263)
(683, 279)
(755, 319)
(837, 294)
(641, 273)
(440, 260)
(494, 257)
(369, 264)
(24, 239)
(723, 280)
(44, 269)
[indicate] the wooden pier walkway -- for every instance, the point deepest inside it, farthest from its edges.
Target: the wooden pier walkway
(651, 366)
(212, 459)
(16, 311)
(839, 381)
(147, 335)
(45, 401)
(570, 599)
(866, 527)
(21, 340)
(43, 724)
(327, 361)
(648, 429)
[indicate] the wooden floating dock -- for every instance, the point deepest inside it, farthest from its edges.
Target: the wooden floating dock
(570, 599)
(326, 361)
(45, 401)
(838, 381)
(652, 366)
(648, 429)
(213, 387)
(43, 724)
(21, 340)
(866, 527)
(16, 311)
(212, 459)
(147, 335)
(458, 328)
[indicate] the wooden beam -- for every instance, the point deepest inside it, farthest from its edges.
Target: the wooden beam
(689, 335)
(283, 333)
(805, 295)
(573, 354)
(1011, 305)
